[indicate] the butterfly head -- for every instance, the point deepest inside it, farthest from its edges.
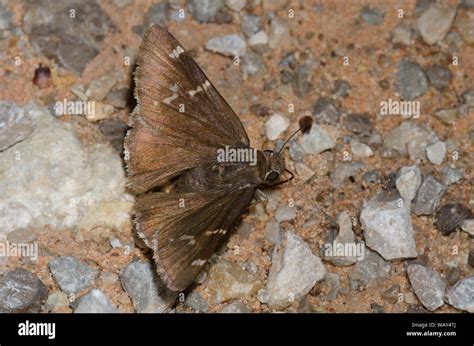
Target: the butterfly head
(275, 166)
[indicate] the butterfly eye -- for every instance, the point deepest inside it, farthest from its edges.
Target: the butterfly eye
(271, 176)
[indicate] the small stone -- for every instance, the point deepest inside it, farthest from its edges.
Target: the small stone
(296, 151)
(227, 281)
(439, 77)
(109, 278)
(468, 97)
(21, 236)
(21, 291)
(358, 123)
(435, 22)
(195, 301)
(409, 298)
(371, 16)
(95, 302)
(342, 88)
(114, 131)
(57, 301)
(448, 116)
(344, 171)
(252, 64)
(278, 33)
(435, 152)
(412, 81)
(276, 125)
(390, 295)
(101, 111)
(145, 288)
(157, 14)
(5, 17)
(316, 141)
(99, 88)
(72, 275)
(334, 282)
(465, 26)
(428, 285)
(325, 111)
(229, 45)
(410, 139)
(260, 38)
(468, 226)
(263, 295)
(408, 181)
(15, 124)
(236, 5)
(285, 213)
(371, 267)
(236, 307)
(300, 81)
(452, 175)
(205, 10)
(304, 172)
(273, 232)
(371, 177)
(336, 245)
(294, 271)
(360, 150)
(461, 295)
(451, 216)
(402, 34)
(452, 275)
(387, 226)
(429, 195)
(251, 25)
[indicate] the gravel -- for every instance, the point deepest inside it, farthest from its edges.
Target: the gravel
(429, 195)
(95, 302)
(205, 10)
(436, 152)
(435, 22)
(15, 124)
(316, 141)
(276, 125)
(71, 274)
(411, 80)
(451, 216)
(408, 181)
(460, 295)
(230, 45)
(428, 285)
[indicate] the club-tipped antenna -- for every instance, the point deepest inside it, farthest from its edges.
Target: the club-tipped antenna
(305, 126)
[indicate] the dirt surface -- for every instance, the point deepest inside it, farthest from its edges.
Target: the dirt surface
(326, 34)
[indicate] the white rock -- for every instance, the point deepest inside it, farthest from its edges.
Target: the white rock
(435, 152)
(468, 226)
(229, 45)
(387, 226)
(236, 5)
(316, 141)
(260, 37)
(52, 179)
(294, 271)
(360, 149)
(278, 33)
(276, 125)
(461, 295)
(408, 181)
(435, 22)
(95, 302)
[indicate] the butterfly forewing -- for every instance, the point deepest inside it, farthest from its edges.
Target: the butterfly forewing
(180, 114)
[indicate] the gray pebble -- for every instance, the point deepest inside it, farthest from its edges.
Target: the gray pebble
(5, 17)
(316, 141)
(72, 275)
(461, 295)
(251, 25)
(195, 301)
(412, 81)
(236, 307)
(285, 213)
(408, 181)
(452, 175)
(21, 291)
(428, 285)
(145, 288)
(325, 111)
(272, 232)
(371, 16)
(296, 151)
(451, 216)
(205, 10)
(94, 302)
(439, 77)
(429, 195)
(15, 124)
(252, 64)
(342, 88)
(371, 267)
(435, 22)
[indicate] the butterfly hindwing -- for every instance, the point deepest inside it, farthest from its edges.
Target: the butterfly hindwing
(181, 119)
(185, 229)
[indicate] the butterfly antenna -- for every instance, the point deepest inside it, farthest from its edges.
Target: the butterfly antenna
(305, 126)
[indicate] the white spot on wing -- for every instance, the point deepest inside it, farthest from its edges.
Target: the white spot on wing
(198, 262)
(176, 52)
(171, 98)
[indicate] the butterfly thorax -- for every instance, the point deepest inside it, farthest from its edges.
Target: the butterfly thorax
(226, 175)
